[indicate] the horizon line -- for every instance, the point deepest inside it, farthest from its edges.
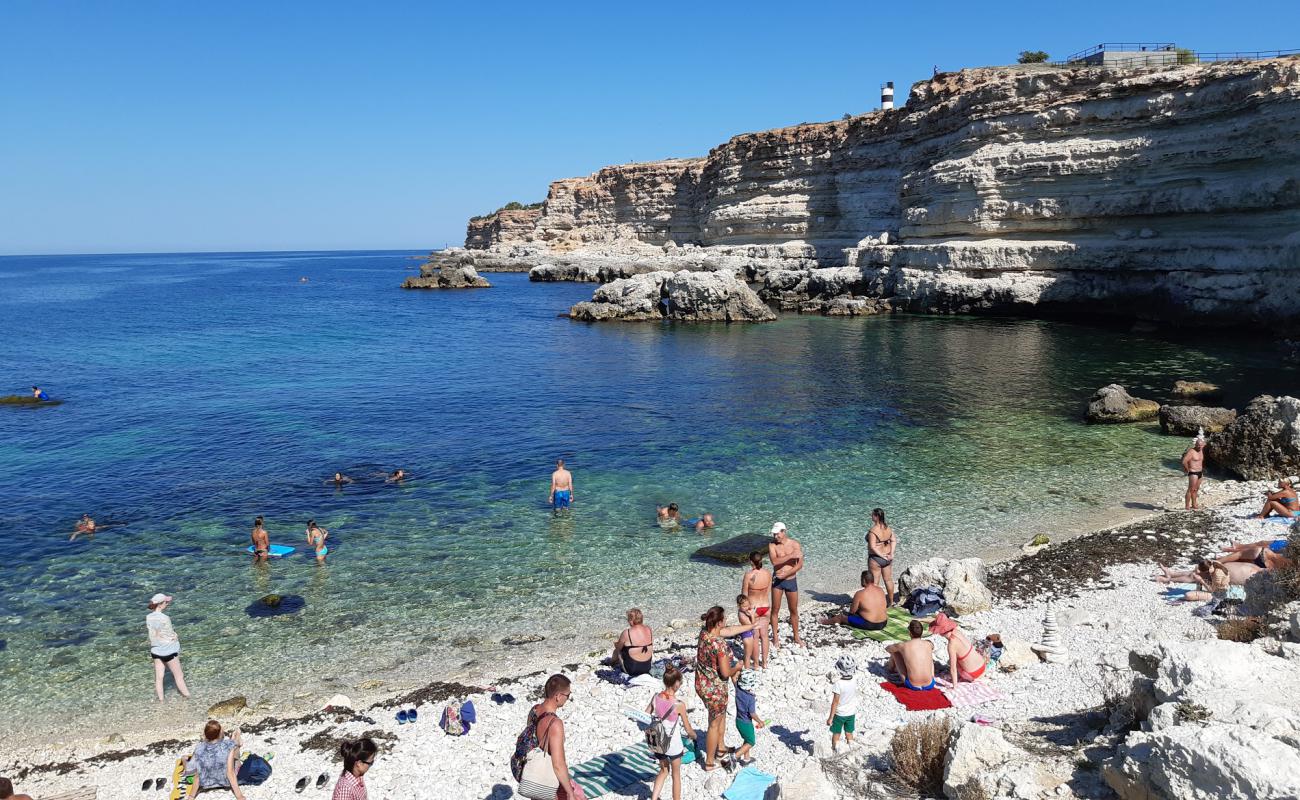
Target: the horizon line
(230, 252)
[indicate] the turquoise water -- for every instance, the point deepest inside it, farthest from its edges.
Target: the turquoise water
(203, 390)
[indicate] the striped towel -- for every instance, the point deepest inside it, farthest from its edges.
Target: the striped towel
(615, 771)
(970, 694)
(895, 629)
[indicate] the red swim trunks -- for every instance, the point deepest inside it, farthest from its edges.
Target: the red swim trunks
(762, 612)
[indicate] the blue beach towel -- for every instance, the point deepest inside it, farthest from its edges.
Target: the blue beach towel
(1278, 545)
(1176, 594)
(750, 784)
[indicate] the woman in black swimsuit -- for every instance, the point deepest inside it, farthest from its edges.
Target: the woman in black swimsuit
(634, 650)
(881, 543)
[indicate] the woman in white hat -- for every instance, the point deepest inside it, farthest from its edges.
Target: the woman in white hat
(164, 647)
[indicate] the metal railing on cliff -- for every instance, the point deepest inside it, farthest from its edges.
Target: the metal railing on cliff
(1173, 56)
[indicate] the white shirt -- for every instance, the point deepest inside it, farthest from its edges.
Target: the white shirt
(848, 693)
(162, 637)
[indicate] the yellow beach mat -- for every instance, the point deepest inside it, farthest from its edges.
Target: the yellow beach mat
(178, 788)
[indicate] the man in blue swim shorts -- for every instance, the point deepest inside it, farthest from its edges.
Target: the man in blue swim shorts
(786, 556)
(561, 488)
(913, 660)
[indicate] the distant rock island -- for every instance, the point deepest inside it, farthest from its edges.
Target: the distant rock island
(1168, 193)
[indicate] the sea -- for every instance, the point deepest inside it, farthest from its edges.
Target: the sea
(199, 391)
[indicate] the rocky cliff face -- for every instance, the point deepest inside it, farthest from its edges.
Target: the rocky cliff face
(502, 226)
(1168, 193)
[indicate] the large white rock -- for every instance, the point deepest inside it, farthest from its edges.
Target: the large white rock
(981, 762)
(962, 582)
(1204, 762)
(808, 783)
(683, 295)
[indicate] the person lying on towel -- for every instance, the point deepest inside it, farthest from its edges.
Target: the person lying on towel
(913, 660)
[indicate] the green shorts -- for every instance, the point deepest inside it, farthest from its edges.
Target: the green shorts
(745, 728)
(843, 724)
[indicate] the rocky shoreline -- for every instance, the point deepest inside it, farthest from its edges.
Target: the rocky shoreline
(994, 189)
(1064, 714)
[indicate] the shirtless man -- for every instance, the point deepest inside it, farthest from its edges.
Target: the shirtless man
(561, 488)
(756, 585)
(913, 660)
(786, 556)
(1194, 469)
(86, 526)
(397, 476)
(261, 542)
(7, 791)
(316, 536)
(868, 609)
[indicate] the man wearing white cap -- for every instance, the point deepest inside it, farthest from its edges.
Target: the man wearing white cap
(164, 646)
(787, 559)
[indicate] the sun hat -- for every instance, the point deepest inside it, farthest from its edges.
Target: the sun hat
(747, 680)
(160, 598)
(846, 666)
(942, 625)
(778, 527)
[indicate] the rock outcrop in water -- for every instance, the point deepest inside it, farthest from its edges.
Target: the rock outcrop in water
(1113, 403)
(1166, 193)
(448, 271)
(684, 296)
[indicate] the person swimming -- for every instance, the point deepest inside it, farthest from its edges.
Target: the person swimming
(397, 476)
(339, 480)
(39, 393)
(86, 526)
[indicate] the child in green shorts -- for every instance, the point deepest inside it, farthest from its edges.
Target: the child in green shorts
(844, 704)
(746, 714)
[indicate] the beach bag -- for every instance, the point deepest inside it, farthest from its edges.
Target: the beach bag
(536, 773)
(254, 771)
(451, 723)
(524, 744)
(657, 736)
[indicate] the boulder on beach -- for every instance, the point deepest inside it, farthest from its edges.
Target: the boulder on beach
(227, 708)
(1187, 420)
(1263, 442)
(1113, 403)
(1210, 732)
(962, 582)
(980, 762)
(735, 550)
(684, 296)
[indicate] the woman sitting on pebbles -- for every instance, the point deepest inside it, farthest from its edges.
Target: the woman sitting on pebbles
(713, 668)
(634, 649)
(1283, 502)
(216, 761)
(965, 663)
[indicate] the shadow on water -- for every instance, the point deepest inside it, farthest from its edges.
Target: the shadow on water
(275, 605)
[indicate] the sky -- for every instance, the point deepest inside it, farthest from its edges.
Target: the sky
(149, 126)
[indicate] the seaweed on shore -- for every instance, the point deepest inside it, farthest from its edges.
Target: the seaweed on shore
(328, 740)
(435, 692)
(1065, 569)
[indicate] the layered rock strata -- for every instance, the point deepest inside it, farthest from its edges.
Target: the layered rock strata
(1169, 193)
(684, 296)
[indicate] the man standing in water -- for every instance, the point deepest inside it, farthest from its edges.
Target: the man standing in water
(561, 488)
(1194, 468)
(786, 556)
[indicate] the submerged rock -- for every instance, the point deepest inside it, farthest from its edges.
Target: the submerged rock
(1195, 389)
(684, 296)
(1113, 403)
(274, 605)
(735, 550)
(1263, 442)
(1187, 420)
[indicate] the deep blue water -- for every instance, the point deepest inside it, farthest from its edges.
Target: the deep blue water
(202, 390)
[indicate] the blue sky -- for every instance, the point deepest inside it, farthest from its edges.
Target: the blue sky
(173, 126)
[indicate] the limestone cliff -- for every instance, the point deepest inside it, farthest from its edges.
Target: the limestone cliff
(1169, 193)
(505, 225)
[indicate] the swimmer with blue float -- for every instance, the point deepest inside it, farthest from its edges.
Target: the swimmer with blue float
(39, 394)
(561, 488)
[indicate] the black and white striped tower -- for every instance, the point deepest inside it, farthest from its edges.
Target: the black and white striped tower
(886, 96)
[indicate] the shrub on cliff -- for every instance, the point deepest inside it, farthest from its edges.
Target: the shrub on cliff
(918, 749)
(1032, 57)
(1186, 56)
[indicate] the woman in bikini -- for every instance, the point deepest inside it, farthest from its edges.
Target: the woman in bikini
(316, 537)
(965, 663)
(757, 585)
(881, 543)
(1282, 502)
(634, 650)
